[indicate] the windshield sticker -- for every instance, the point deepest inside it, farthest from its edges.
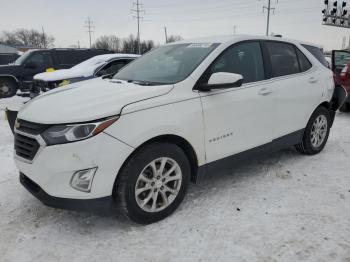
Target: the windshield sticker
(200, 45)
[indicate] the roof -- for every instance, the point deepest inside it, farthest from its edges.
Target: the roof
(8, 49)
(226, 39)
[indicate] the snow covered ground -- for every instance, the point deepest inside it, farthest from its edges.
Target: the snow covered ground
(283, 207)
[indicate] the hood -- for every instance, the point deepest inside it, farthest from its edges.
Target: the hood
(87, 101)
(64, 74)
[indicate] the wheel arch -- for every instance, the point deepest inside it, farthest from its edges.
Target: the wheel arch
(328, 106)
(169, 138)
(12, 77)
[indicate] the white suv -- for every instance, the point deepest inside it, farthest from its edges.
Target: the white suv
(175, 114)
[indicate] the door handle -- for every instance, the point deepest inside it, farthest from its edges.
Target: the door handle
(313, 80)
(264, 91)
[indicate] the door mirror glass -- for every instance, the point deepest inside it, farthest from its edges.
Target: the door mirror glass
(222, 80)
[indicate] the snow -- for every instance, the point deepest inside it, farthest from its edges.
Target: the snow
(84, 69)
(282, 207)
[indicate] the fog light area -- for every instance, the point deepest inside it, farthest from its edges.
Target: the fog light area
(82, 179)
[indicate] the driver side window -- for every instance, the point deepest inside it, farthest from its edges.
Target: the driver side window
(244, 59)
(37, 59)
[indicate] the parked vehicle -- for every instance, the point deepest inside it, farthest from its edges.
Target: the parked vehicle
(19, 75)
(6, 58)
(341, 69)
(172, 116)
(97, 66)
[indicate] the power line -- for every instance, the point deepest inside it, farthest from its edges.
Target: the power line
(269, 9)
(137, 11)
(90, 27)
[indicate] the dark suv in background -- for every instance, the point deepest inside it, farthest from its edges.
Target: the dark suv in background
(19, 75)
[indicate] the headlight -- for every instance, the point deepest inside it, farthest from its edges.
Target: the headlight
(60, 134)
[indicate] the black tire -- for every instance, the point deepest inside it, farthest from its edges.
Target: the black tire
(124, 191)
(345, 108)
(306, 147)
(8, 88)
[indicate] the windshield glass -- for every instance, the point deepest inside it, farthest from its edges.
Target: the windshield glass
(20, 60)
(166, 65)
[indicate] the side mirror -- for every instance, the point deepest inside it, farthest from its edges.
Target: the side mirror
(222, 80)
(30, 65)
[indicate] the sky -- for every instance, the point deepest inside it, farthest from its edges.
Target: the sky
(65, 19)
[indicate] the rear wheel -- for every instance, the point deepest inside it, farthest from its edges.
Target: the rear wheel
(316, 132)
(153, 183)
(8, 88)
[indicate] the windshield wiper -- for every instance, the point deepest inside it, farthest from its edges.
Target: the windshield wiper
(145, 83)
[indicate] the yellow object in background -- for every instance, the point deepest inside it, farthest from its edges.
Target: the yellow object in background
(50, 69)
(64, 83)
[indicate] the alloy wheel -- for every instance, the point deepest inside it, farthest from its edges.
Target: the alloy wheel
(158, 184)
(319, 131)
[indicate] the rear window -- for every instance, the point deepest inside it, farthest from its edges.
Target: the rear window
(284, 60)
(317, 53)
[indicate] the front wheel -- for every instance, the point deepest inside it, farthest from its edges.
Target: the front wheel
(8, 88)
(316, 133)
(153, 183)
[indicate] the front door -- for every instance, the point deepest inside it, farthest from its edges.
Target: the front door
(242, 118)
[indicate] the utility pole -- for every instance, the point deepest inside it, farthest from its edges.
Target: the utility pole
(137, 11)
(90, 28)
(44, 38)
(269, 9)
(234, 29)
(166, 35)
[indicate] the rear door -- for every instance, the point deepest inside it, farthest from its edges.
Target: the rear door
(297, 84)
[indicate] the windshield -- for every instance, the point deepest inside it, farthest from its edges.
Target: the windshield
(166, 65)
(20, 60)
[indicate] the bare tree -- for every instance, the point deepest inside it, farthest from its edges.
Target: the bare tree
(174, 38)
(27, 37)
(109, 42)
(129, 45)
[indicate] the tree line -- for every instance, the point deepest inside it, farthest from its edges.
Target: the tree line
(36, 39)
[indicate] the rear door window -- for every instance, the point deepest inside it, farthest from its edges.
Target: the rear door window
(284, 60)
(317, 53)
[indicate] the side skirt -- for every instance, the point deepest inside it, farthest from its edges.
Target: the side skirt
(226, 164)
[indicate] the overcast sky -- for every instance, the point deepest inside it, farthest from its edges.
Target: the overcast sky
(64, 19)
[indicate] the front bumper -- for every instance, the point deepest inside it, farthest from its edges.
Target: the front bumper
(53, 166)
(103, 205)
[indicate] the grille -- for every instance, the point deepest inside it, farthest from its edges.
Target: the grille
(31, 128)
(26, 147)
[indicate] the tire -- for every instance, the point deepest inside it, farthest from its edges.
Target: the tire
(138, 175)
(345, 108)
(8, 88)
(315, 139)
